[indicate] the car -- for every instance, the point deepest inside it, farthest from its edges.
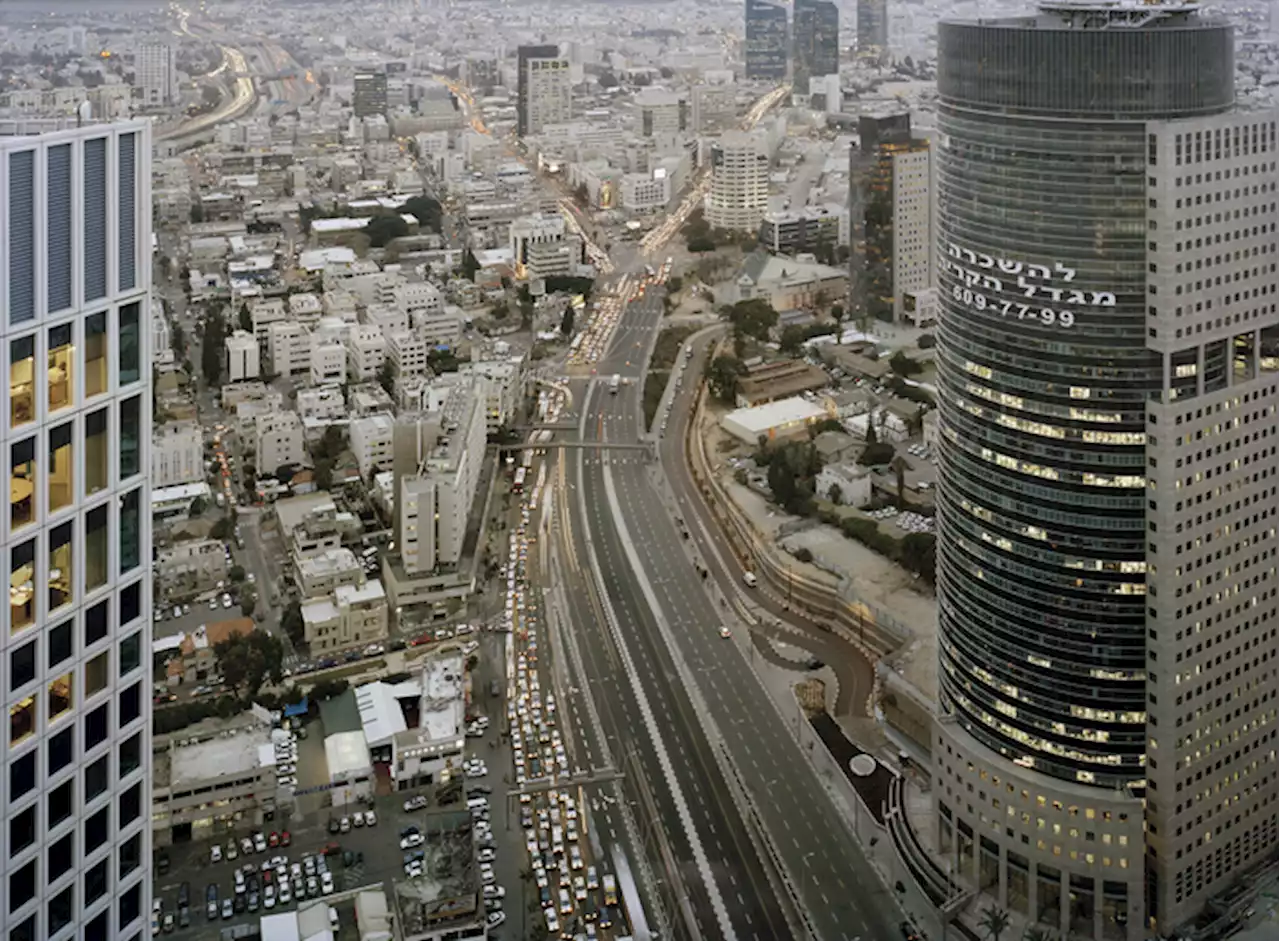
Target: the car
(494, 892)
(269, 897)
(370, 818)
(415, 803)
(344, 825)
(238, 904)
(495, 919)
(184, 895)
(724, 631)
(286, 894)
(184, 917)
(226, 600)
(228, 910)
(580, 888)
(486, 856)
(357, 819)
(215, 853)
(285, 838)
(410, 840)
(593, 879)
(211, 910)
(155, 923)
(333, 824)
(239, 882)
(326, 882)
(334, 924)
(246, 846)
(313, 887)
(910, 932)
(413, 868)
(253, 901)
(273, 839)
(233, 851)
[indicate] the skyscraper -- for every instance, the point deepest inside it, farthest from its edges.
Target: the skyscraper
(155, 75)
(873, 29)
(76, 649)
(739, 194)
(766, 41)
(369, 94)
(543, 88)
(816, 29)
(1105, 760)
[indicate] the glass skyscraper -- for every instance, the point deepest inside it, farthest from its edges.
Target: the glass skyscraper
(816, 33)
(767, 41)
(76, 213)
(1105, 762)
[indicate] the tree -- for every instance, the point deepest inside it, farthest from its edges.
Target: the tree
(608, 80)
(792, 468)
(927, 341)
(904, 365)
(753, 318)
(331, 443)
(566, 321)
(834, 494)
(675, 283)
(222, 529)
(1035, 933)
(384, 228)
(837, 312)
(237, 573)
(722, 376)
(198, 506)
(326, 689)
(246, 660)
(876, 453)
(292, 624)
(387, 377)
(899, 466)
(246, 320)
(427, 211)
(248, 600)
(197, 212)
(211, 343)
(324, 473)
(792, 338)
(469, 265)
(994, 922)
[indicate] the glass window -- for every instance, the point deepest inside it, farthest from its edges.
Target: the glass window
(62, 373)
(22, 889)
(130, 653)
(95, 884)
(95, 674)
(95, 548)
(22, 829)
(61, 751)
(22, 666)
(97, 451)
(95, 623)
(62, 467)
(62, 908)
(61, 801)
(130, 704)
(22, 720)
(95, 354)
(97, 777)
(96, 829)
(130, 436)
(130, 343)
(130, 603)
(97, 726)
(22, 586)
(61, 696)
(61, 561)
(130, 530)
(130, 755)
(22, 366)
(61, 644)
(22, 483)
(22, 775)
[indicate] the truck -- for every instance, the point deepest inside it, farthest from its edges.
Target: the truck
(614, 384)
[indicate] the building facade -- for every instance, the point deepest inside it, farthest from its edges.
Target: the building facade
(739, 194)
(816, 34)
(369, 94)
(177, 454)
(873, 30)
(767, 41)
(154, 75)
(77, 771)
(543, 90)
(1105, 763)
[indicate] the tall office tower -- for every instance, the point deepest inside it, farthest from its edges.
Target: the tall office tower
(543, 90)
(154, 75)
(873, 30)
(890, 206)
(369, 95)
(77, 647)
(816, 30)
(663, 113)
(766, 41)
(1105, 760)
(739, 193)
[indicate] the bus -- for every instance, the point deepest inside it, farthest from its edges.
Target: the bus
(610, 887)
(517, 485)
(614, 383)
(526, 462)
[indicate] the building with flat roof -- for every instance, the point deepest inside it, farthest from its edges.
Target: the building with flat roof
(781, 379)
(785, 418)
(444, 902)
(177, 454)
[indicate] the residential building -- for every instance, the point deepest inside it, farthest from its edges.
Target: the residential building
(322, 573)
(242, 356)
(289, 348)
(844, 484)
(191, 566)
(739, 193)
(177, 454)
(155, 76)
(278, 441)
(714, 107)
(1104, 761)
(354, 616)
(816, 33)
(543, 90)
(328, 361)
(767, 42)
(369, 95)
(502, 389)
(407, 354)
(873, 30)
(663, 114)
(197, 656)
(264, 312)
(320, 406)
(371, 440)
(890, 215)
(76, 224)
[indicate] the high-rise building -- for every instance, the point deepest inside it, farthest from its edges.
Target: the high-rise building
(543, 90)
(369, 96)
(873, 29)
(76, 429)
(766, 41)
(1105, 759)
(890, 207)
(816, 31)
(739, 194)
(154, 75)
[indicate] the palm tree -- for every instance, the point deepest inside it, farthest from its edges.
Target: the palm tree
(1035, 933)
(994, 922)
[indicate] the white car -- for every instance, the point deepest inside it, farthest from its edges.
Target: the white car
(326, 882)
(357, 819)
(409, 841)
(495, 919)
(370, 818)
(486, 855)
(415, 803)
(215, 853)
(494, 892)
(269, 896)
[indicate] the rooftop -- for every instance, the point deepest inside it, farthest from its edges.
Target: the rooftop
(230, 753)
(447, 891)
(761, 418)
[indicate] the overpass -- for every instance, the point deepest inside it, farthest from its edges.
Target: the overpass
(584, 445)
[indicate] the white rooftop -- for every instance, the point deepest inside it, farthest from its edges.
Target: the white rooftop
(761, 418)
(346, 753)
(218, 757)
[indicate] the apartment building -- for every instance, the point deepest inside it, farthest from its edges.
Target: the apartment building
(278, 440)
(177, 454)
(739, 194)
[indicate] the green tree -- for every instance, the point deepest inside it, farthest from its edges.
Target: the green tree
(198, 506)
(387, 377)
(834, 494)
(292, 624)
(792, 338)
(876, 453)
(722, 376)
(608, 80)
(675, 283)
(246, 320)
(326, 689)
(197, 212)
(994, 922)
(566, 321)
(792, 468)
(427, 211)
(222, 529)
(837, 312)
(904, 365)
(700, 244)
(211, 347)
(384, 228)
(927, 341)
(247, 660)
(899, 467)
(324, 473)
(236, 574)
(331, 443)
(469, 265)
(753, 318)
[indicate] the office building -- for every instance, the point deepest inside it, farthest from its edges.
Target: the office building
(663, 114)
(543, 89)
(739, 193)
(369, 96)
(766, 41)
(1105, 759)
(177, 454)
(811, 229)
(76, 429)
(155, 77)
(873, 30)
(816, 32)
(891, 216)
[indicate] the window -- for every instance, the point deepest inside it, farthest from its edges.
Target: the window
(60, 855)
(22, 666)
(130, 809)
(95, 354)
(130, 436)
(97, 778)
(22, 720)
(22, 886)
(22, 830)
(22, 366)
(95, 882)
(96, 623)
(22, 483)
(61, 802)
(130, 653)
(130, 903)
(95, 548)
(97, 726)
(97, 452)
(130, 531)
(22, 237)
(22, 586)
(62, 373)
(128, 172)
(62, 695)
(61, 908)
(130, 850)
(22, 775)
(130, 342)
(25, 931)
(130, 603)
(62, 470)
(96, 674)
(130, 704)
(96, 828)
(60, 644)
(95, 218)
(130, 755)
(61, 580)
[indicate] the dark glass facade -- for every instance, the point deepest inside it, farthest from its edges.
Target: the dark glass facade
(816, 29)
(523, 55)
(766, 41)
(873, 29)
(1043, 375)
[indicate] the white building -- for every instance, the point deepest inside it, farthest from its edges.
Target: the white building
(154, 75)
(712, 107)
(407, 353)
(279, 440)
(644, 192)
(263, 313)
(289, 348)
(328, 362)
(77, 802)
(242, 356)
(850, 485)
(526, 232)
(663, 114)
(913, 248)
(355, 616)
(371, 441)
(320, 406)
(366, 352)
(548, 92)
(739, 195)
(502, 388)
(785, 418)
(177, 454)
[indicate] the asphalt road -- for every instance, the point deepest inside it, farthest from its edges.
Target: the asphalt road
(840, 893)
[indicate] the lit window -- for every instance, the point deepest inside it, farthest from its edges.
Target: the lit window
(22, 364)
(61, 360)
